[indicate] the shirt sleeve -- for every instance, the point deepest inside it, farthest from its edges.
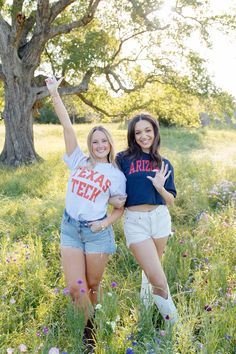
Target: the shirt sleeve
(169, 184)
(76, 159)
(118, 186)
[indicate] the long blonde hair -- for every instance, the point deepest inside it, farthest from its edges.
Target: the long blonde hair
(111, 155)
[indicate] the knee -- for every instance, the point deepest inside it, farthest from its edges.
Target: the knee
(94, 284)
(76, 293)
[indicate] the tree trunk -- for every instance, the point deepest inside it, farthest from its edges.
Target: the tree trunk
(19, 141)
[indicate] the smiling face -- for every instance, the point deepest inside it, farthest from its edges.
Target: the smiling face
(100, 146)
(144, 135)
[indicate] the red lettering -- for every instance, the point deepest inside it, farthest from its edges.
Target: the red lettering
(138, 165)
(99, 180)
(86, 190)
(80, 190)
(92, 174)
(106, 185)
(74, 181)
(82, 173)
(132, 169)
(94, 195)
(143, 165)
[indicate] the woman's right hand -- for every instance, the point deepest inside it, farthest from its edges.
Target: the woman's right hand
(53, 84)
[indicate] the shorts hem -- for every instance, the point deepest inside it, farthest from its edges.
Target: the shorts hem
(72, 246)
(157, 237)
(99, 252)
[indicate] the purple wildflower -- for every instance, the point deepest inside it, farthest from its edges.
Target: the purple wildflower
(82, 290)
(66, 291)
(22, 348)
(54, 350)
(113, 284)
(56, 291)
(162, 333)
(80, 281)
(45, 330)
(129, 351)
(207, 308)
(227, 336)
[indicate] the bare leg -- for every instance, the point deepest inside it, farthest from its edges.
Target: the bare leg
(146, 255)
(95, 266)
(74, 266)
(160, 244)
(146, 288)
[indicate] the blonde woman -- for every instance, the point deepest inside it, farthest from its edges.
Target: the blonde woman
(87, 237)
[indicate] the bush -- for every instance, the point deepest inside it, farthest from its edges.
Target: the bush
(223, 194)
(47, 115)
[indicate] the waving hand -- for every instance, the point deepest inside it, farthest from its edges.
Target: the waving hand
(160, 177)
(53, 84)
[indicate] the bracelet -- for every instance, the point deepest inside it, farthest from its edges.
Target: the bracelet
(102, 226)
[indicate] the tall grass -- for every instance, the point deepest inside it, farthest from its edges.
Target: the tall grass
(200, 261)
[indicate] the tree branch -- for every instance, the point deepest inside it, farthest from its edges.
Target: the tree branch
(29, 24)
(58, 7)
(150, 25)
(125, 40)
(85, 19)
(5, 30)
(93, 106)
(16, 8)
(109, 72)
(119, 114)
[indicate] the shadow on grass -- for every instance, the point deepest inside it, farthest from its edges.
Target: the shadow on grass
(27, 180)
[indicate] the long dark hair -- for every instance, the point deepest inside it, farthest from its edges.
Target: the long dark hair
(134, 150)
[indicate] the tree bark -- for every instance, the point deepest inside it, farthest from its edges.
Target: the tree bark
(19, 140)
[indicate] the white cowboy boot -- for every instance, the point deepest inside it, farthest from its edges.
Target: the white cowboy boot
(146, 291)
(166, 307)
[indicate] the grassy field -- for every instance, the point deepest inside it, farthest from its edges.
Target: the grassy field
(200, 260)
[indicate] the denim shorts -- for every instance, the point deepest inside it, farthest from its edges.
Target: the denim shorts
(140, 226)
(77, 234)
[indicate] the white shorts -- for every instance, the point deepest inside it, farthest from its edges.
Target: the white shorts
(142, 225)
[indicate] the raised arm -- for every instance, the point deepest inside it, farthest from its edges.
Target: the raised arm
(69, 133)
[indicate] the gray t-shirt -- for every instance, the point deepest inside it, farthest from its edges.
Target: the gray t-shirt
(89, 189)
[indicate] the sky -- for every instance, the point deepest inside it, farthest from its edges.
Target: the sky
(222, 57)
(222, 62)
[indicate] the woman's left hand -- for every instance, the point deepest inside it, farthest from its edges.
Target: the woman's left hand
(160, 177)
(96, 226)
